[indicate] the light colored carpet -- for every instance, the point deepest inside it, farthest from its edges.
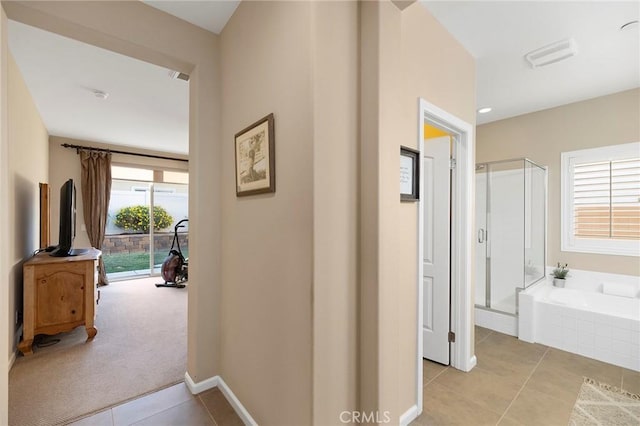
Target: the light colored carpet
(141, 346)
(601, 404)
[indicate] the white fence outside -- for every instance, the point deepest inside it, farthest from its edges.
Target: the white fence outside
(176, 204)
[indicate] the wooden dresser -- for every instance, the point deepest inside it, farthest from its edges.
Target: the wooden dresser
(59, 295)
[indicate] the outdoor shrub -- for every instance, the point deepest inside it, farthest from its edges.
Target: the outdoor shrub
(136, 218)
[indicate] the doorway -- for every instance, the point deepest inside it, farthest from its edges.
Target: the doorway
(436, 283)
(175, 365)
(186, 53)
(462, 150)
(145, 206)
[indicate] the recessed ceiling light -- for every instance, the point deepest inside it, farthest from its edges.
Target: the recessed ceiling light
(484, 110)
(629, 25)
(100, 94)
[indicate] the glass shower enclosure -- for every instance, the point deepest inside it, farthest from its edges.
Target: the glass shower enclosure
(510, 231)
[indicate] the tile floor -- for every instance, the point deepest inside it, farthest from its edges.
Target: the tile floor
(172, 406)
(514, 383)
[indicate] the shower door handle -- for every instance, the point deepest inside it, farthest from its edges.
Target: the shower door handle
(481, 236)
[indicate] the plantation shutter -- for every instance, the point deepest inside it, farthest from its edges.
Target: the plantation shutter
(606, 199)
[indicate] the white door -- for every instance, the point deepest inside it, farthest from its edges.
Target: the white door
(436, 288)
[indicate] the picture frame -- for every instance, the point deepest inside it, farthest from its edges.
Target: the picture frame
(409, 174)
(255, 158)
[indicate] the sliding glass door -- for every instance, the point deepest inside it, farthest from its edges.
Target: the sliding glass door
(171, 203)
(144, 209)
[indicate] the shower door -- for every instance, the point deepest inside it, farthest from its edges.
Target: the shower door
(482, 258)
(506, 211)
(510, 231)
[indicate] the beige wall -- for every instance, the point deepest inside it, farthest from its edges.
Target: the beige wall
(6, 324)
(266, 317)
(542, 136)
(396, 239)
(169, 42)
(417, 57)
(286, 303)
(335, 188)
(441, 71)
(368, 212)
(289, 324)
(28, 165)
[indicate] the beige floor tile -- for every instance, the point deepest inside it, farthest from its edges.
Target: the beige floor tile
(431, 370)
(220, 409)
(481, 333)
(557, 383)
(581, 366)
(534, 408)
(444, 407)
(511, 347)
(481, 386)
(503, 363)
(149, 405)
(631, 381)
(551, 380)
(191, 413)
(506, 421)
(103, 418)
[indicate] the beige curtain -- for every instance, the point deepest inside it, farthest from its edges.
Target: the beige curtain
(96, 191)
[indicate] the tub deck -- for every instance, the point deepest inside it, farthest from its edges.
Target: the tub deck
(587, 323)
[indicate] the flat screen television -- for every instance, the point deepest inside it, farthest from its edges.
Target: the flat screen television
(67, 220)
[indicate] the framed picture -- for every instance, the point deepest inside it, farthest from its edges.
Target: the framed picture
(256, 158)
(409, 174)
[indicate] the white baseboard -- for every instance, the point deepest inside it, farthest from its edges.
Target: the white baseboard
(502, 323)
(217, 381)
(17, 337)
(410, 415)
(236, 404)
(12, 359)
(202, 386)
(473, 361)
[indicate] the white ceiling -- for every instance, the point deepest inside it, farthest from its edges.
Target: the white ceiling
(210, 15)
(147, 109)
(499, 34)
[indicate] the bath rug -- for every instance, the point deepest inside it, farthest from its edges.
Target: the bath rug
(602, 404)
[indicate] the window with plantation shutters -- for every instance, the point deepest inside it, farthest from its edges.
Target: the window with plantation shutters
(601, 200)
(606, 199)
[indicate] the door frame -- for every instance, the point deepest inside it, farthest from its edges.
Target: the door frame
(190, 63)
(462, 208)
(437, 151)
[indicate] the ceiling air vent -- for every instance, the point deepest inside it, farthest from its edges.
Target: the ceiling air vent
(179, 75)
(552, 53)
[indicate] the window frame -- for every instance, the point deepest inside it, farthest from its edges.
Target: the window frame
(569, 242)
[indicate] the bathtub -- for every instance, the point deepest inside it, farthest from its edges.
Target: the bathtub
(582, 320)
